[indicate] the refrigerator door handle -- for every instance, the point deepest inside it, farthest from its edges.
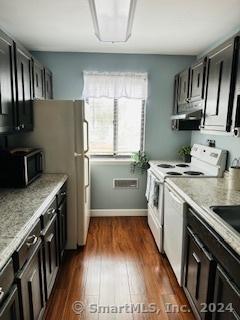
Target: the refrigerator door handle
(76, 155)
(85, 121)
(87, 185)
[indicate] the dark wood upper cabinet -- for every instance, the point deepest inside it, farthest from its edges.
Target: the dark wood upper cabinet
(24, 89)
(38, 80)
(7, 84)
(22, 79)
(220, 86)
(197, 80)
(48, 84)
(183, 87)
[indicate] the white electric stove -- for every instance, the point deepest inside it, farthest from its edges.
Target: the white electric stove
(205, 162)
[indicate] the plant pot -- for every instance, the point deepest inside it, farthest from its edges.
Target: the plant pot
(187, 158)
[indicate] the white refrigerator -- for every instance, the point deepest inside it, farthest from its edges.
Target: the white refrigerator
(61, 130)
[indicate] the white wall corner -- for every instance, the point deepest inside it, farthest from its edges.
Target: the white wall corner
(118, 212)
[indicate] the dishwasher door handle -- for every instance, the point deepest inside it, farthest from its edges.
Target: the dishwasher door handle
(178, 200)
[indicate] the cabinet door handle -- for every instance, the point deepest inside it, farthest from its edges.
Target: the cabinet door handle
(175, 197)
(194, 236)
(198, 274)
(32, 240)
(51, 211)
(196, 257)
(50, 237)
(1, 293)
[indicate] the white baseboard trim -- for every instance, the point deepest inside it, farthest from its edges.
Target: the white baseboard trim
(118, 212)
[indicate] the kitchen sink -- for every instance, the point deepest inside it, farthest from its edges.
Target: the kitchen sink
(230, 214)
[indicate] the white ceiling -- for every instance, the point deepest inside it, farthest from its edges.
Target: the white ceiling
(160, 26)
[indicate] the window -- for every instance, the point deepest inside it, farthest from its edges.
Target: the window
(116, 126)
(116, 111)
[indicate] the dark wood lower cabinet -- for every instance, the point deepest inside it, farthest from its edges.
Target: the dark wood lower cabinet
(199, 274)
(226, 297)
(30, 285)
(27, 279)
(51, 256)
(10, 308)
(212, 272)
(62, 218)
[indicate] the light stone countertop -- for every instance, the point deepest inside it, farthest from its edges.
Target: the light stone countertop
(20, 209)
(201, 193)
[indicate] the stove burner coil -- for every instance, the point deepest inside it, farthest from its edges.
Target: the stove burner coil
(193, 173)
(182, 165)
(165, 166)
(174, 173)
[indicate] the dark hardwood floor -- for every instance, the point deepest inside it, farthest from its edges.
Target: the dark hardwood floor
(119, 265)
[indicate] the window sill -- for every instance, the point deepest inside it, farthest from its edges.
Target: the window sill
(111, 161)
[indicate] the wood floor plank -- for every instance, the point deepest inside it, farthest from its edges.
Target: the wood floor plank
(120, 265)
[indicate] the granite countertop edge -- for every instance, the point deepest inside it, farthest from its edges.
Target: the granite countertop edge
(226, 232)
(14, 242)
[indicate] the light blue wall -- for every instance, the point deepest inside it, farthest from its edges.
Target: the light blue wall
(105, 197)
(161, 142)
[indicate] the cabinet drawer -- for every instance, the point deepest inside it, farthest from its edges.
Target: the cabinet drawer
(49, 213)
(62, 194)
(23, 253)
(10, 309)
(6, 279)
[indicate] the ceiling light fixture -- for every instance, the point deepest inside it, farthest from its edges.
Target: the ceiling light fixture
(113, 19)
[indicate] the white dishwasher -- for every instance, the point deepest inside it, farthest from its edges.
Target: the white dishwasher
(174, 225)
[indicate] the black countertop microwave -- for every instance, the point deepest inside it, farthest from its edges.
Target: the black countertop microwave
(20, 166)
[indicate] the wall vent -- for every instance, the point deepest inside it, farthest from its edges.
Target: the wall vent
(125, 183)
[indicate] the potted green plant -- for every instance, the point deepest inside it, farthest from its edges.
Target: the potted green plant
(185, 153)
(140, 162)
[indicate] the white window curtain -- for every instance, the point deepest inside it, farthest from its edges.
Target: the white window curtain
(115, 85)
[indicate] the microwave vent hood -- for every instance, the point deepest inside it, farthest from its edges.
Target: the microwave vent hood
(191, 115)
